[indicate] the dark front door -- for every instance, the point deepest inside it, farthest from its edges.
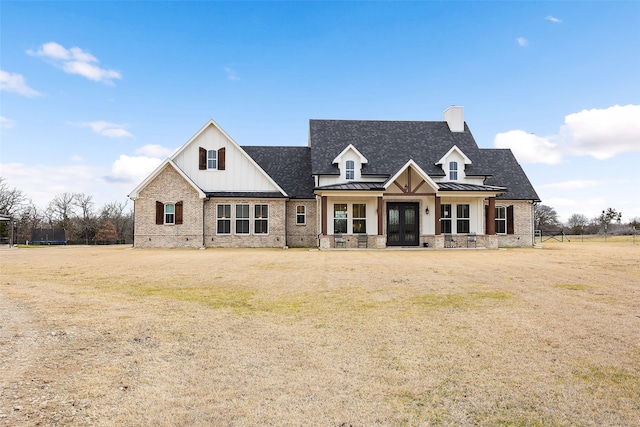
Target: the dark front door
(402, 224)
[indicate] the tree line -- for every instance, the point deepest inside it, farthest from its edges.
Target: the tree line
(74, 212)
(608, 222)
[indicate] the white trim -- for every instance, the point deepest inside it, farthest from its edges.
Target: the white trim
(136, 191)
(467, 161)
(415, 167)
(362, 158)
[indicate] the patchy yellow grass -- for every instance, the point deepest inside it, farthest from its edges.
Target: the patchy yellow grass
(518, 337)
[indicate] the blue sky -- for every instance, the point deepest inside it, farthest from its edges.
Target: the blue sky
(95, 94)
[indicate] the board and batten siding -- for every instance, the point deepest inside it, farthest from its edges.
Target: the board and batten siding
(240, 173)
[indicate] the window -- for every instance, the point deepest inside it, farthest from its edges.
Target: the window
(261, 219)
(462, 213)
(453, 171)
(242, 219)
(350, 170)
(445, 219)
(212, 159)
(339, 218)
(501, 220)
(359, 218)
(223, 219)
(301, 215)
(169, 213)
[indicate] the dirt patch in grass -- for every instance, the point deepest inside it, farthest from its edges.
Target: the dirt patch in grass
(521, 337)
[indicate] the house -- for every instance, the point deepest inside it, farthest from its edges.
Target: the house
(358, 183)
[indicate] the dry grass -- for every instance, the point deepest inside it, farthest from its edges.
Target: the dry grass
(520, 337)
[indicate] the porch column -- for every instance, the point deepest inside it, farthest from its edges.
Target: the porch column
(380, 216)
(491, 216)
(437, 216)
(324, 215)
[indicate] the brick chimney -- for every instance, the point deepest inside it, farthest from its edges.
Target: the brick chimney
(454, 116)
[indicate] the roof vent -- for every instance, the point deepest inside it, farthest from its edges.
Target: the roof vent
(454, 116)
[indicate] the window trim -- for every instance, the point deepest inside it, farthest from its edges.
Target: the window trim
(246, 219)
(260, 219)
(453, 170)
(446, 218)
(302, 215)
(225, 219)
(213, 159)
(337, 218)
(463, 219)
(166, 214)
(359, 218)
(503, 220)
(350, 170)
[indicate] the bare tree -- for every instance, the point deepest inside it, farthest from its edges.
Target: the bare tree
(10, 198)
(546, 217)
(577, 222)
(87, 221)
(60, 211)
(117, 213)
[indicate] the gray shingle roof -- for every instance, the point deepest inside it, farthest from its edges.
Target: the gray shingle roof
(388, 145)
(290, 167)
(508, 173)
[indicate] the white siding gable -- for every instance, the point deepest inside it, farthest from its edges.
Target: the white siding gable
(240, 174)
(350, 153)
(454, 155)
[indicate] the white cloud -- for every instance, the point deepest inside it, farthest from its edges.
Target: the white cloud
(132, 169)
(522, 41)
(528, 148)
(16, 83)
(154, 150)
(77, 159)
(575, 184)
(112, 130)
(231, 74)
(75, 61)
(603, 133)
(553, 19)
(600, 133)
(6, 123)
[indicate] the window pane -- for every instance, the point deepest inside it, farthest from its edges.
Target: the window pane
(462, 226)
(445, 225)
(301, 215)
(462, 211)
(350, 169)
(445, 211)
(223, 213)
(212, 159)
(261, 222)
(340, 218)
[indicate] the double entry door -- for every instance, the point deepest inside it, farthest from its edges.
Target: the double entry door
(403, 224)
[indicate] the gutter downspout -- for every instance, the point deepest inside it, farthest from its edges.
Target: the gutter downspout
(203, 217)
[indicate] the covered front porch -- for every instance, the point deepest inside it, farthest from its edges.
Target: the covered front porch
(408, 210)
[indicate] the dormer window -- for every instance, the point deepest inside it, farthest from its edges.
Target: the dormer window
(350, 169)
(453, 171)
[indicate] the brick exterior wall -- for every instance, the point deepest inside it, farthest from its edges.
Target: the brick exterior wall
(276, 229)
(522, 224)
(302, 236)
(168, 187)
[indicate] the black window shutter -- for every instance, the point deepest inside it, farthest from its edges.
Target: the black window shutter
(221, 159)
(510, 219)
(179, 212)
(202, 159)
(159, 213)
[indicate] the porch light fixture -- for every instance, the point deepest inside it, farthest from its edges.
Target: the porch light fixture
(427, 210)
